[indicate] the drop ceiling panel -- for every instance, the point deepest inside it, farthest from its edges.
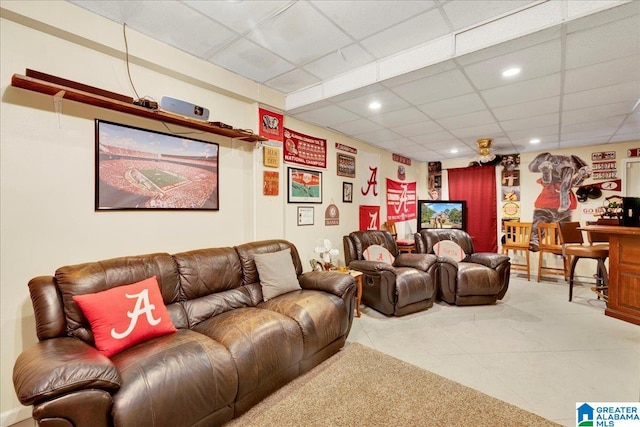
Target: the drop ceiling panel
(413, 32)
(527, 123)
(438, 87)
(239, 16)
(360, 105)
(466, 120)
(603, 43)
(535, 61)
(421, 128)
(528, 109)
(464, 104)
(379, 136)
(528, 90)
(481, 131)
(363, 18)
(629, 91)
(252, 60)
(598, 112)
(399, 118)
(339, 62)
(289, 35)
(292, 80)
(330, 115)
(603, 74)
(467, 13)
(357, 127)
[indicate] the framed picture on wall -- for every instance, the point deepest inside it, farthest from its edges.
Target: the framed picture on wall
(347, 192)
(304, 186)
(305, 215)
(138, 169)
(346, 165)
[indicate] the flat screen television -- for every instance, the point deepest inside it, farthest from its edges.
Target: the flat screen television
(442, 214)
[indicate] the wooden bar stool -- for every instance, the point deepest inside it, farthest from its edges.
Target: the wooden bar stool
(518, 236)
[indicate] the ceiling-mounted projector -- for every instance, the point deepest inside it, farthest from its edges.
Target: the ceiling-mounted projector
(184, 108)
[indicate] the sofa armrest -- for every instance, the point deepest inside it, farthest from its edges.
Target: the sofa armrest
(488, 259)
(333, 282)
(58, 366)
(370, 267)
(422, 262)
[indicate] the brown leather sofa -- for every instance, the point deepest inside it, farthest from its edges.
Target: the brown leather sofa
(231, 348)
(480, 278)
(404, 287)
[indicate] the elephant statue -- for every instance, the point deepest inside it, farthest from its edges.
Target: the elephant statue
(556, 202)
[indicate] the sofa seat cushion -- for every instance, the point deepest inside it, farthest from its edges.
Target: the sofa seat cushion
(262, 343)
(476, 279)
(322, 317)
(413, 286)
(175, 380)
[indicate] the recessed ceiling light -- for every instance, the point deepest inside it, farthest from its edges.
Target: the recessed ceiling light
(453, 151)
(375, 105)
(510, 72)
(534, 141)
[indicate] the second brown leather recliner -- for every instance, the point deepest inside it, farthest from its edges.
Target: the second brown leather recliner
(404, 287)
(480, 278)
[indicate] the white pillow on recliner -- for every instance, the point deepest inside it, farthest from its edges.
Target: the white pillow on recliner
(378, 253)
(449, 249)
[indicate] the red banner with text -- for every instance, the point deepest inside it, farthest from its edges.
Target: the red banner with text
(401, 200)
(304, 149)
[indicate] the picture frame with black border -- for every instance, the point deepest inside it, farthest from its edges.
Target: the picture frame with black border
(347, 192)
(304, 186)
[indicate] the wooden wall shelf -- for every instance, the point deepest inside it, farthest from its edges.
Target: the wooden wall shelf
(109, 103)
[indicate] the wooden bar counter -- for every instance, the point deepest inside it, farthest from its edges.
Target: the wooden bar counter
(624, 271)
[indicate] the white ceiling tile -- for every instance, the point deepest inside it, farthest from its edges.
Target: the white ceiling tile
(582, 140)
(298, 44)
(545, 134)
(604, 74)
(239, 16)
(421, 128)
(598, 112)
(440, 139)
(528, 90)
(398, 118)
(477, 131)
(602, 43)
(413, 32)
(528, 109)
(291, 81)
(329, 115)
(379, 136)
(466, 120)
(535, 61)
(357, 127)
(360, 105)
(248, 59)
(420, 74)
(363, 18)
(435, 88)
(628, 91)
(537, 121)
(466, 13)
(338, 62)
(468, 103)
(591, 128)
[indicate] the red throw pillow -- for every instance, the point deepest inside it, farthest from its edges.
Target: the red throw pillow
(126, 315)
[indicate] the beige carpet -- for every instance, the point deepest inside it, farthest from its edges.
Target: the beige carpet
(360, 386)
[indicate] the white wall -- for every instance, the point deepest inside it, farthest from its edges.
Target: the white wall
(47, 217)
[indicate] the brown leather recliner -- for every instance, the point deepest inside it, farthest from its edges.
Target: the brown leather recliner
(480, 278)
(402, 288)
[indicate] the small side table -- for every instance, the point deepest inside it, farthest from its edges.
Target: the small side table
(358, 276)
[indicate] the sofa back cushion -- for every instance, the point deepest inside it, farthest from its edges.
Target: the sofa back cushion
(250, 276)
(93, 277)
(211, 283)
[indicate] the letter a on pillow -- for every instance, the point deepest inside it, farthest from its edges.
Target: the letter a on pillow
(126, 315)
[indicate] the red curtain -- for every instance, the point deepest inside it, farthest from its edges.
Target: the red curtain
(477, 186)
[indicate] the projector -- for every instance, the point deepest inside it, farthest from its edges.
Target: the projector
(184, 108)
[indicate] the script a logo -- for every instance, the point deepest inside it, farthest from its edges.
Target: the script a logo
(142, 307)
(372, 182)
